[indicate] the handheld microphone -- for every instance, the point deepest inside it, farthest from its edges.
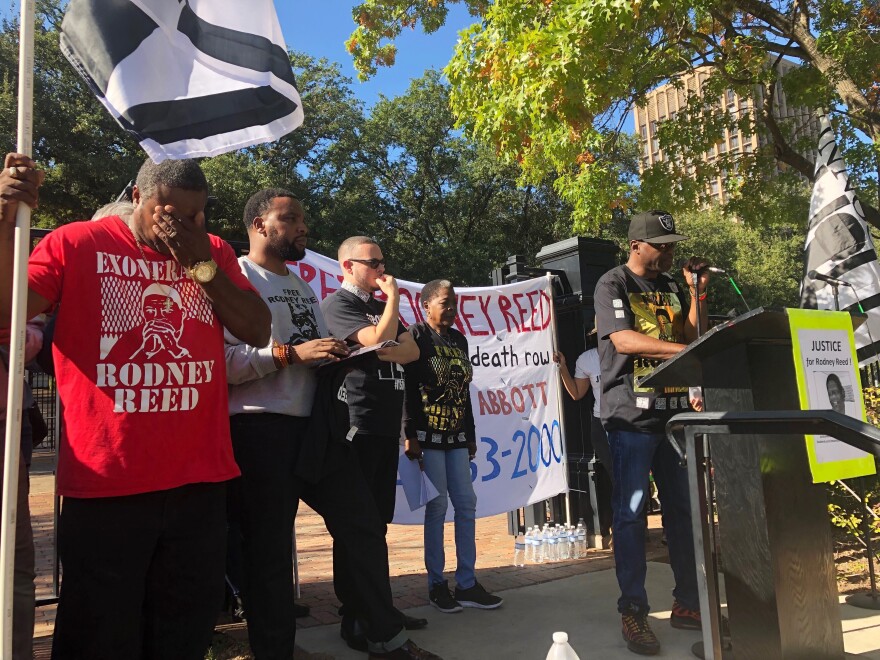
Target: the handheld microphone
(718, 271)
(711, 269)
(815, 275)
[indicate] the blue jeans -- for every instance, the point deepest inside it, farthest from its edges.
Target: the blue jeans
(450, 471)
(633, 455)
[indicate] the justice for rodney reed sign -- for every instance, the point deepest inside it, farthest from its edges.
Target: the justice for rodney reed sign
(828, 379)
(515, 392)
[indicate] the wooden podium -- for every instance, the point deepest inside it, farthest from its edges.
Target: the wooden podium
(775, 536)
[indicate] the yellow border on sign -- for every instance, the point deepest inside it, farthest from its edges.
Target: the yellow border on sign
(815, 319)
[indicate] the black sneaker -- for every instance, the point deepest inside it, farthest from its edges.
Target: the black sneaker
(443, 600)
(638, 635)
(477, 597)
(413, 623)
(409, 651)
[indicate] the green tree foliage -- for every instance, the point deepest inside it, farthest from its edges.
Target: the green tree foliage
(548, 81)
(765, 262)
(444, 206)
(307, 161)
(848, 511)
(440, 204)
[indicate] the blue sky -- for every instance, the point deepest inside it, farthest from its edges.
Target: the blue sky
(321, 28)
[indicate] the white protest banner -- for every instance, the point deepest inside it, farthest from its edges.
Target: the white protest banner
(515, 392)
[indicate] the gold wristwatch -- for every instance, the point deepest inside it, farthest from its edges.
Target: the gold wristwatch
(203, 271)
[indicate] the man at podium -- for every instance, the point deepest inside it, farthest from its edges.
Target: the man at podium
(643, 318)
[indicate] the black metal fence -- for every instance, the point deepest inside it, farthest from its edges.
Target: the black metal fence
(43, 387)
(42, 384)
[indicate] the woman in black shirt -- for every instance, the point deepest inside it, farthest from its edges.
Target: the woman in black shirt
(439, 428)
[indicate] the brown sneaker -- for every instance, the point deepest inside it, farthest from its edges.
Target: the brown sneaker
(685, 619)
(638, 635)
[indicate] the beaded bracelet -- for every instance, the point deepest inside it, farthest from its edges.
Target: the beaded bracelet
(701, 297)
(280, 354)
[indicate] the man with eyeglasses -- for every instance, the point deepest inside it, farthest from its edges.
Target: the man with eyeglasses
(374, 391)
(276, 426)
(643, 319)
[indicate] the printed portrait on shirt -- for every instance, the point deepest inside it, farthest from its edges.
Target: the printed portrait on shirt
(657, 314)
(163, 312)
(148, 320)
(302, 318)
(453, 373)
(152, 354)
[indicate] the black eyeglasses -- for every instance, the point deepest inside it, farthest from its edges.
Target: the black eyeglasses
(660, 247)
(370, 263)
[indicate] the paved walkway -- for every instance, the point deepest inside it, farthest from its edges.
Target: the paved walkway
(584, 607)
(42, 502)
(406, 561)
(494, 549)
(576, 596)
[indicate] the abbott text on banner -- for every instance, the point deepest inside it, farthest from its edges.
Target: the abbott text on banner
(515, 392)
(839, 245)
(190, 79)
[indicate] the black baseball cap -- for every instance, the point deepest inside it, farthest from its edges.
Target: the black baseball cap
(654, 227)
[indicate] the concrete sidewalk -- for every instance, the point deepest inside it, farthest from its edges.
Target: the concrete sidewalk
(584, 607)
(575, 596)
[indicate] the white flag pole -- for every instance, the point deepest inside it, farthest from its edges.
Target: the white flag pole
(559, 412)
(17, 321)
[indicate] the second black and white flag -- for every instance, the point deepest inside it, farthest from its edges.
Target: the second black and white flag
(839, 245)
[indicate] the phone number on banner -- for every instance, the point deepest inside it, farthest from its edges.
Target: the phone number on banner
(532, 449)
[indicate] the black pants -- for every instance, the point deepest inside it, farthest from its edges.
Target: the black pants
(376, 457)
(143, 574)
(266, 497)
(604, 480)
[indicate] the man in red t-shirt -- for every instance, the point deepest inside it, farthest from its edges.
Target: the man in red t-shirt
(145, 450)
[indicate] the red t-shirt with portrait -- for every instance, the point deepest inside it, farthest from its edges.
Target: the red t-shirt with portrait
(139, 362)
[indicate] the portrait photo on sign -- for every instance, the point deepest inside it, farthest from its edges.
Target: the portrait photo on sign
(832, 390)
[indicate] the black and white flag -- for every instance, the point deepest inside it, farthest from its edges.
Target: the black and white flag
(839, 245)
(188, 78)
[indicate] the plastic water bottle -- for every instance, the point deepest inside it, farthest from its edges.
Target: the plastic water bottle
(528, 557)
(561, 649)
(539, 546)
(572, 543)
(560, 544)
(543, 552)
(581, 533)
(549, 547)
(562, 552)
(519, 551)
(553, 545)
(534, 545)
